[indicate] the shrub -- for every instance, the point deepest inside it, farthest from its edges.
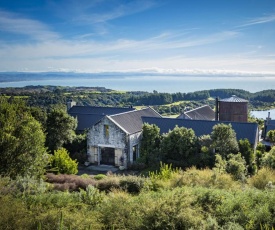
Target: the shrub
(249, 208)
(99, 176)
(262, 178)
(64, 182)
(120, 211)
(132, 184)
(171, 209)
(91, 196)
(268, 159)
(63, 163)
(236, 166)
(14, 214)
(108, 183)
(205, 178)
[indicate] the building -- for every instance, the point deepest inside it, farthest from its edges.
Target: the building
(115, 139)
(202, 127)
(202, 113)
(232, 109)
(87, 116)
(269, 124)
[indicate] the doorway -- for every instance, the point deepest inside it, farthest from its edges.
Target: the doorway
(107, 156)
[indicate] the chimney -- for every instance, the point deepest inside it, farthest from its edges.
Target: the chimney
(70, 104)
(217, 109)
(268, 118)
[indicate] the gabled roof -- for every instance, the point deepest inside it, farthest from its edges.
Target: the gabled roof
(98, 110)
(202, 127)
(85, 121)
(87, 116)
(202, 113)
(131, 121)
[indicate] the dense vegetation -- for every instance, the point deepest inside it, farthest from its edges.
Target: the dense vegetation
(165, 103)
(168, 199)
(231, 189)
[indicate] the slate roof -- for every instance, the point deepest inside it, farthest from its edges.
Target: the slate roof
(98, 110)
(85, 121)
(87, 116)
(131, 122)
(202, 127)
(234, 98)
(202, 113)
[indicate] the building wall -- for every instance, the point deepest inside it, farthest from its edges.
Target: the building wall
(233, 111)
(98, 138)
(122, 143)
(134, 140)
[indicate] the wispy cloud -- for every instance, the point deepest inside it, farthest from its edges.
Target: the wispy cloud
(259, 20)
(101, 11)
(14, 23)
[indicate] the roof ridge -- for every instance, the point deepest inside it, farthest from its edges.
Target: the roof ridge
(197, 108)
(135, 110)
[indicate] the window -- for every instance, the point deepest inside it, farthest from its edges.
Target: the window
(135, 152)
(106, 130)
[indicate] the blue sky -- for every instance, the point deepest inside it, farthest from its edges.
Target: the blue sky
(164, 36)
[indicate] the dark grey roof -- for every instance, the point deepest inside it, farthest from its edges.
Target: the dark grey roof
(234, 98)
(85, 121)
(98, 110)
(131, 121)
(202, 113)
(202, 127)
(87, 116)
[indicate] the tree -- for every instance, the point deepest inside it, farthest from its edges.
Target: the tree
(179, 145)
(271, 135)
(60, 129)
(268, 159)
(150, 143)
(63, 163)
(224, 139)
(248, 154)
(22, 149)
(206, 157)
(236, 166)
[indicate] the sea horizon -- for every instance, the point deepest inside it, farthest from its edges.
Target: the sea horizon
(139, 82)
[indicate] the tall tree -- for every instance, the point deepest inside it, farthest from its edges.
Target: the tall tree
(22, 140)
(60, 129)
(248, 154)
(271, 135)
(150, 143)
(180, 145)
(224, 139)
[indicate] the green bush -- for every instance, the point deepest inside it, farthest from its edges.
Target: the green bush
(91, 196)
(14, 214)
(108, 183)
(63, 163)
(236, 166)
(204, 178)
(268, 159)
(262, 178)
(132, 184)
(99, 176)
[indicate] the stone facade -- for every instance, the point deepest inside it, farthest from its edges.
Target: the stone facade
(110, 144)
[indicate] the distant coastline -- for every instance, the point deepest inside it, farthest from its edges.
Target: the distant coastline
(138, 81)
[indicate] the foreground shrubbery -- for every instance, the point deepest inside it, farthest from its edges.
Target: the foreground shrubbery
(167, 199)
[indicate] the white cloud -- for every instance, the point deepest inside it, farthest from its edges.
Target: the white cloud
(13, 23)
(259, 20)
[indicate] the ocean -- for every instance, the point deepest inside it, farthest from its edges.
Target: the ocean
(169, 84)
